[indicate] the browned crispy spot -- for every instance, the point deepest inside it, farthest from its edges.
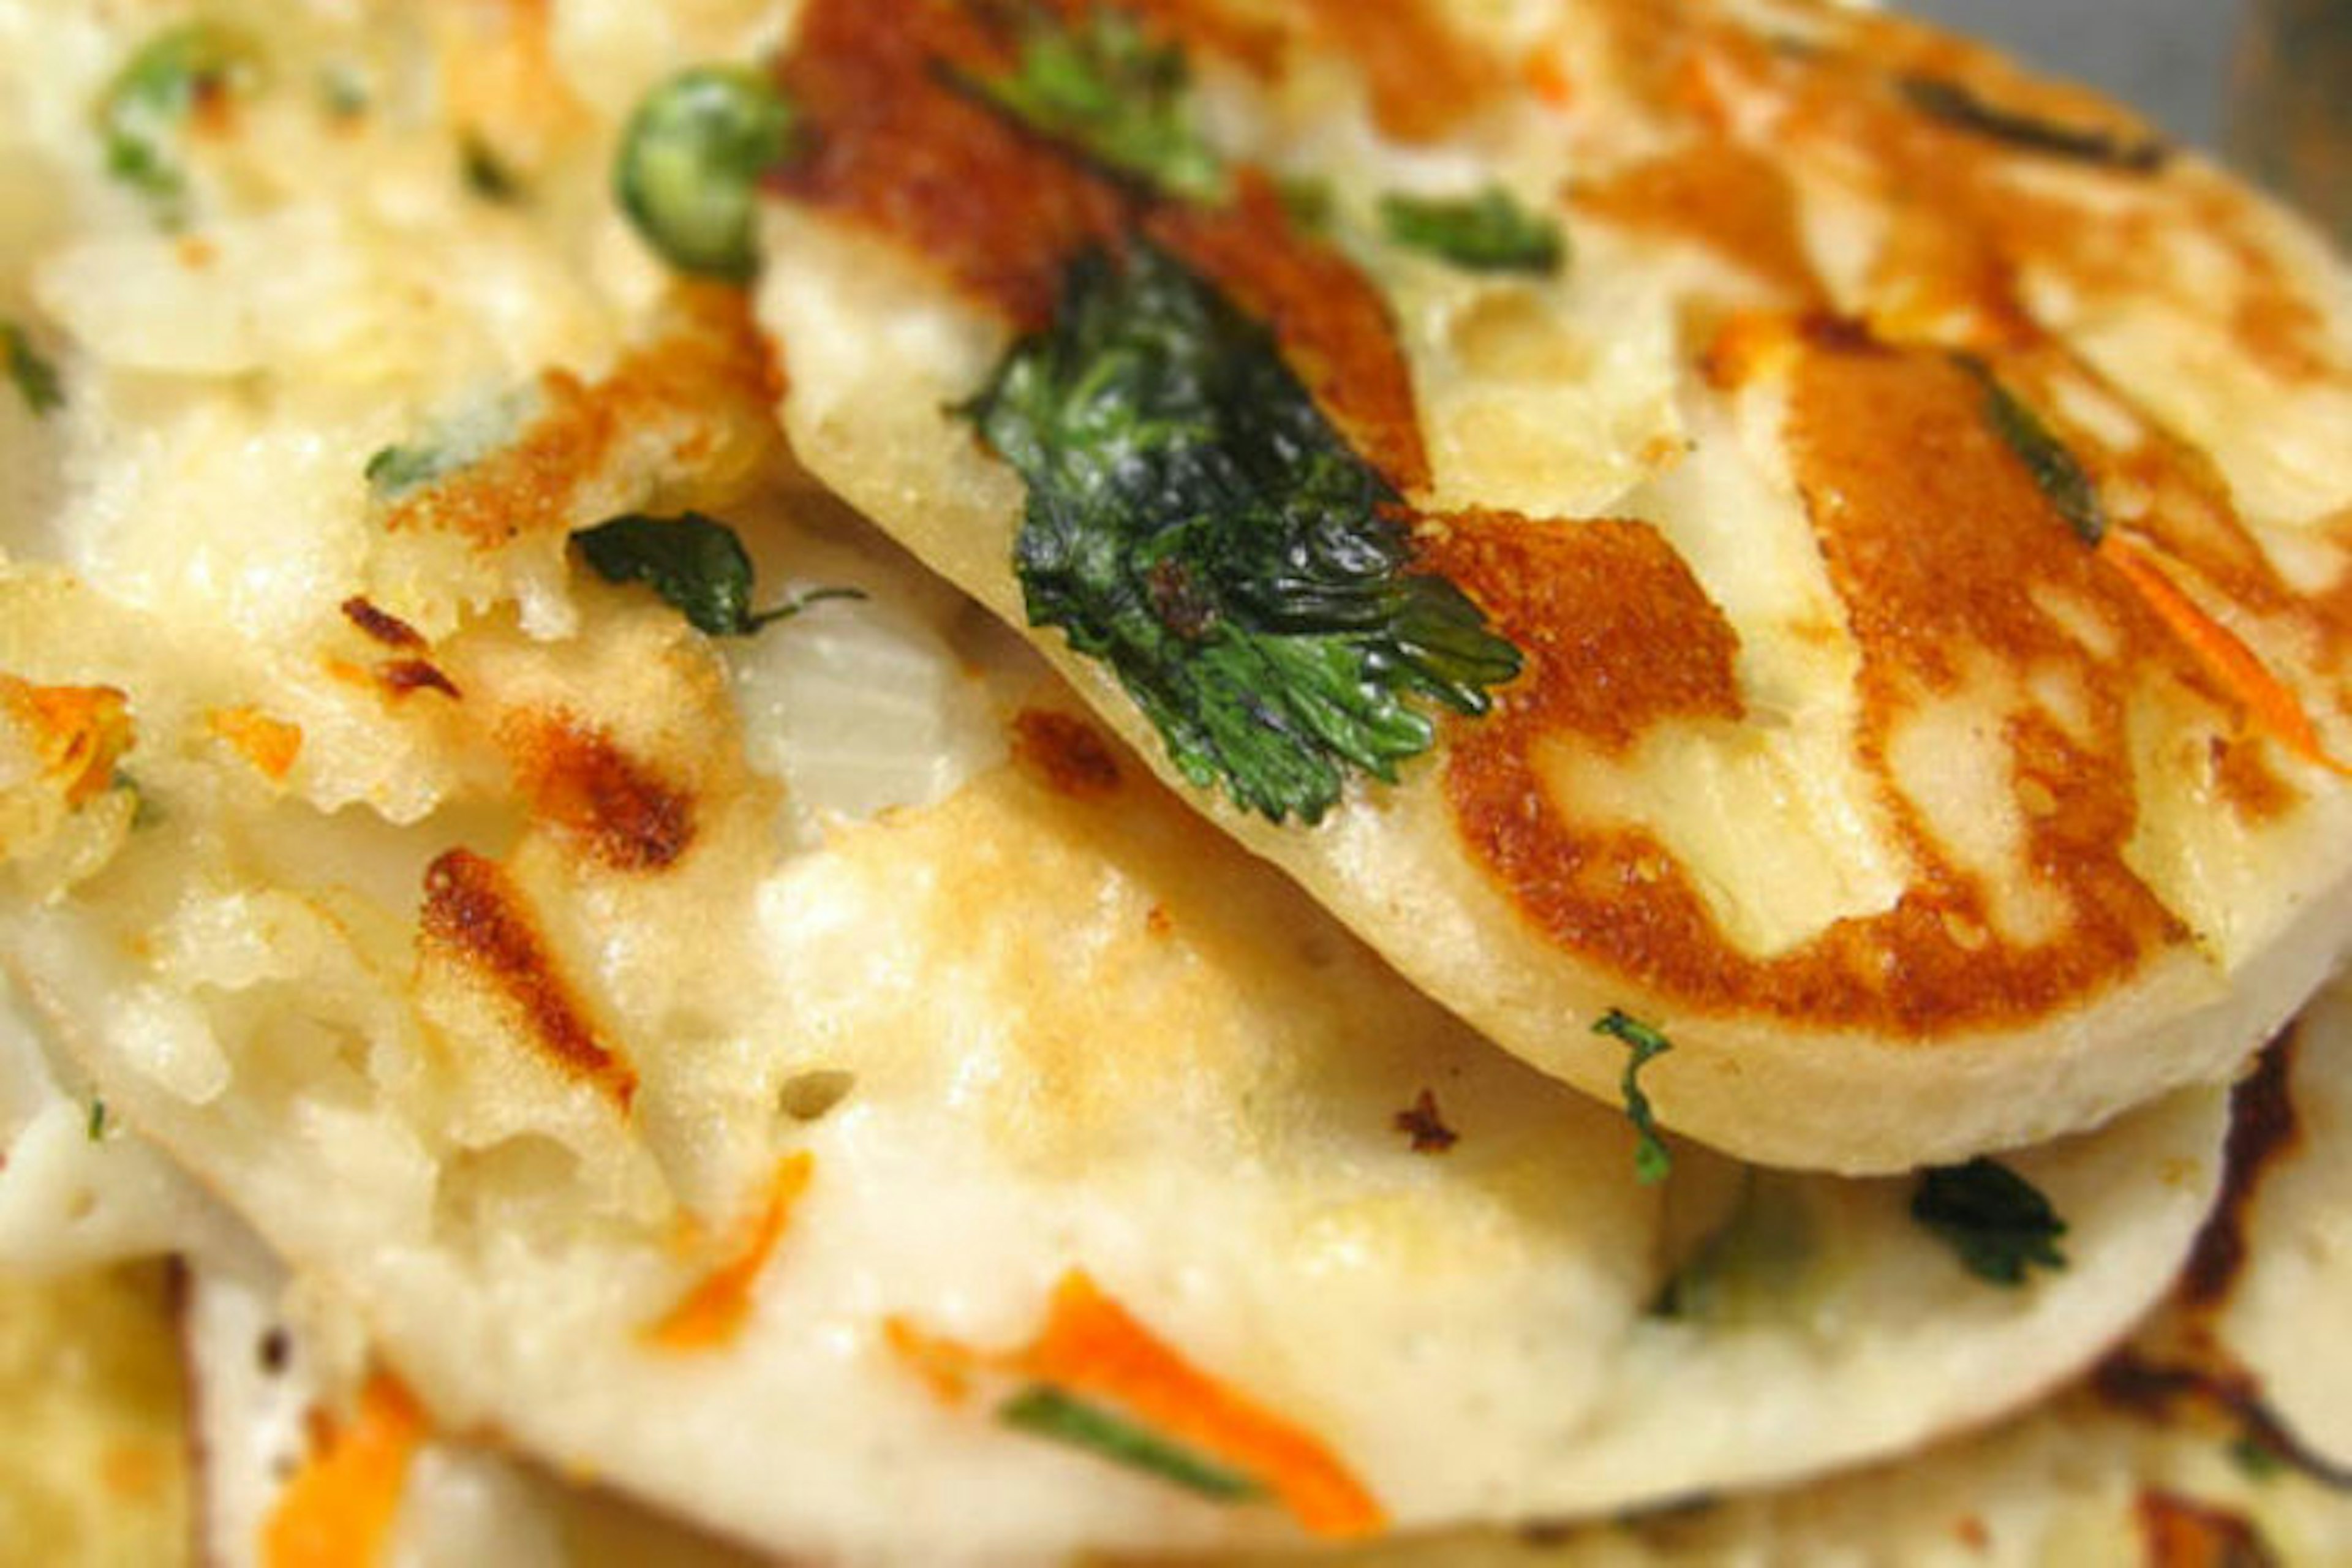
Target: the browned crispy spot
(401, 677)
(898, 147)
(2245, 780)
(1735, 202)
(2181, 1533)
(699, 397)
(580, 781)
(2262, 1129)
(1425, 77)
(474, 915)
(1064, 752)
(383, 625)
(1421, 1123)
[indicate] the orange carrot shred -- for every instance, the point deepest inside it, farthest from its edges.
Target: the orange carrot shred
(338, 1509)
(1091, 1345)
(81, 731)
(712, 1313)
(2222, 653)
(270, 745)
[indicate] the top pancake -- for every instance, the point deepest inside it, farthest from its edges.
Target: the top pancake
(1917, 502)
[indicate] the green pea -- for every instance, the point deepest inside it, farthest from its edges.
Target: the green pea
(690, 162)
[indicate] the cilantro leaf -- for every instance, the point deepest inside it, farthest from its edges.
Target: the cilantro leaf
(696, 563)
(1100, 85)
(1653, 1161)
(1489, 232)
(688, 168)
(1999, 1223)
(1195, 521)
(2054, 469)
(1043, 1410)
(144, 110)
(36, 378)
(96, 1126)
(1957, 105)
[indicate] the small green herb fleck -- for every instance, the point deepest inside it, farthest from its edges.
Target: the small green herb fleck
(36, 378)
(689, 163)
(97, 1126)
(147, 106)
(696, 564)
(1195, 521)
(2256, 1460)
(1957, 105)
(2061, 478)
(1489, 232)
(393, 471)
(1653, 1161)
(1997, 1221)
(344, 91)
(1100, 85)
(1308, 201)
(487, 174)
(1045, 1411)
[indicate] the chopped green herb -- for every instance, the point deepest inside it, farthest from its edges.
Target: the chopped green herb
(696, 564)
(1100, 85)
(1045, 1411)
(36, 378)
(2256, 1460)
(97, 1126)
(147, 106)
(1957, 105)
(1193, 521)
(486, 175)
(1489, 232)
(689, 165)
(1997, 1221)
(395, 470)
(2053, 467)
(1653, 1161)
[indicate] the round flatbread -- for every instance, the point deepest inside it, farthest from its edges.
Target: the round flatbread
(1761, 518)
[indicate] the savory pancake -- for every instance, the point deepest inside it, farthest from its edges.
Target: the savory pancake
(1758, 518)
(707, 1009)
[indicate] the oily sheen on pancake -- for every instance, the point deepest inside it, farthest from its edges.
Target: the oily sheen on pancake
(1913, 498)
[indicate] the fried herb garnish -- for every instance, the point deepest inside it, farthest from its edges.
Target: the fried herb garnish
(1957, 105)
(2054, 469)
(1195, 521)
(690, 164)
(35, 377)
(1100, 85)
(1043, 1410)
(1653, 1161)
(146, 108)
(1489, 232)
(1997, 1221)
(696, 564)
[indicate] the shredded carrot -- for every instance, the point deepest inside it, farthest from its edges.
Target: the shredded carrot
(711, 1313)
(270, 745)
(945, 1367)
(1545, 74)
(1092, 1345)
(2221, 652)
(338, 1509)
(81, 731)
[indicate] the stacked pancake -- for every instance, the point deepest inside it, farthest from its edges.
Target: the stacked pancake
(1001, 784)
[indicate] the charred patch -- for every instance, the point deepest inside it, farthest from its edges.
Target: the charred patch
(580, 782)
(1422, 1122)
(2160, 1390)
(383, 625)
(401, 677)
(474, 915)
(2262, 1129)
(1066, 755)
